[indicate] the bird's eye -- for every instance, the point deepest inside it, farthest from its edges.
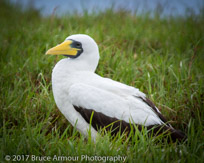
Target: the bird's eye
(78, 45)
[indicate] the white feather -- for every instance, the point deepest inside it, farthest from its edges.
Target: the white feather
(127, 108)
(75, 83)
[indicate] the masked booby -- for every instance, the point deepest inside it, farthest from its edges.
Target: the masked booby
(86, 98)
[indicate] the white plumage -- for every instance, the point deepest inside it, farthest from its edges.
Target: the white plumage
(75, 84)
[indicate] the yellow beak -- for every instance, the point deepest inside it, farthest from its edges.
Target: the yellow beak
(63, 49)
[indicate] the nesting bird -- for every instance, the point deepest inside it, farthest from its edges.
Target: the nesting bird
(84, 97)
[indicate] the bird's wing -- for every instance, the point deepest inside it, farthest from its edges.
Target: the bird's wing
(86, 98)
(129, 91)
(118, 88)
(122, 90)
(107, 84)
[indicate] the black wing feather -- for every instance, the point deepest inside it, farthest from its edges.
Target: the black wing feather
(100, 120)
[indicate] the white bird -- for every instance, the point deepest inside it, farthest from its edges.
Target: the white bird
(81, 94)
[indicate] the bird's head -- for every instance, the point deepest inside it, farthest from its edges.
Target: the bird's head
(79, 47)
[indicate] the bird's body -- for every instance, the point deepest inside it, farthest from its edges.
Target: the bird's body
(80, 93)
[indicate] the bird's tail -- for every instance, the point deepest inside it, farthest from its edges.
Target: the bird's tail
(177, 135)
(169, 132)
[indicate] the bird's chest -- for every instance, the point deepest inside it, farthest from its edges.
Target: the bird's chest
(62, 81)
(60, 88)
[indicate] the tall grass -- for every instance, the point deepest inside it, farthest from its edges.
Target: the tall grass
(162, 57)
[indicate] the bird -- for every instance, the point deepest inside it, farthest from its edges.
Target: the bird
(91, 102)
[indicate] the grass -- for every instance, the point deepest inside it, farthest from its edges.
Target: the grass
(162, 57)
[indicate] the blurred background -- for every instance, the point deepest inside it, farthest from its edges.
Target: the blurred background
(164, 7)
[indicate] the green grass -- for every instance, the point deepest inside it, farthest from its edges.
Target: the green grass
(162, 57)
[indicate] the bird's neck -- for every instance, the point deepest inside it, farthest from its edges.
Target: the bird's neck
(68, 66)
